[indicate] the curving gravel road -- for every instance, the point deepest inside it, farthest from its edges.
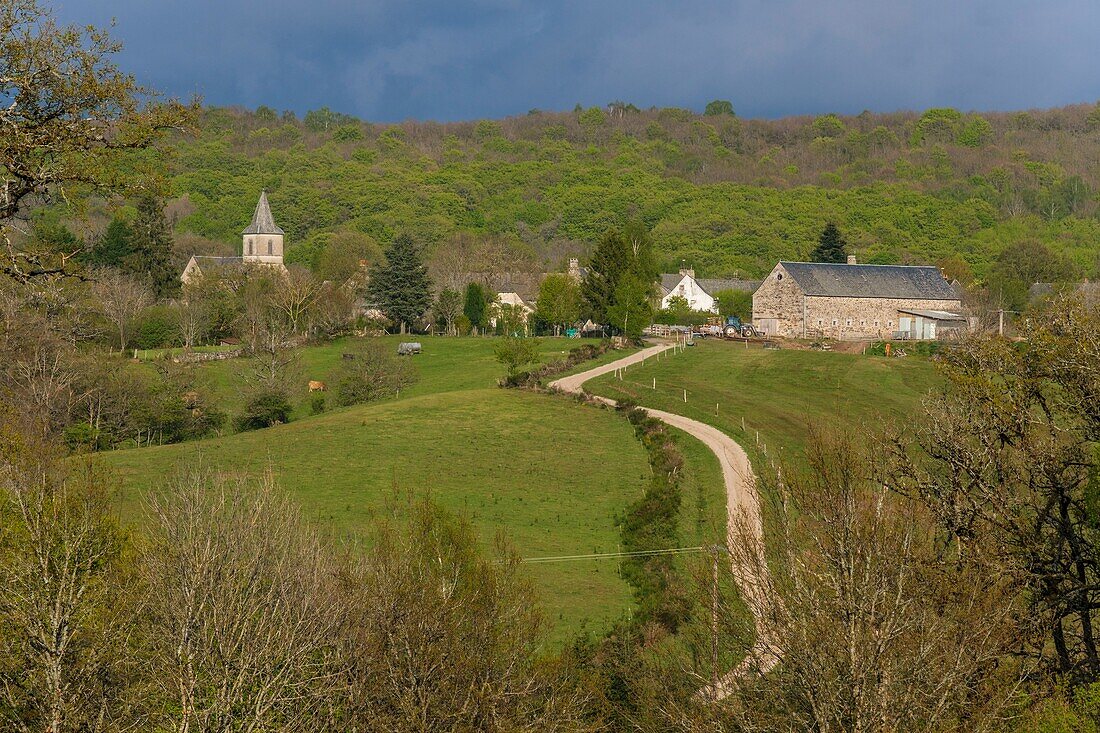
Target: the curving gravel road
(742, 505)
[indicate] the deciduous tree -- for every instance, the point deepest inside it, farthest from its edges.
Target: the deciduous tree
(70, 114)
(559, 301)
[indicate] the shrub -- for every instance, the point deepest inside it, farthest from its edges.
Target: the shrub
(267, 407)
(317, 404)
(516, 353)
(158, 329)
(374, 373)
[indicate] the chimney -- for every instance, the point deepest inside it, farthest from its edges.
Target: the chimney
(575, 268)
(851, 259)
(687, 271)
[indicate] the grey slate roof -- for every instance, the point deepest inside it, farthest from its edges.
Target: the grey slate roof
(713, 286)
(217, 261)
(262, 220)
(669, 280)
(870, 281)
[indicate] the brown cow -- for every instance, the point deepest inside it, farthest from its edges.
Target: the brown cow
(315, 386)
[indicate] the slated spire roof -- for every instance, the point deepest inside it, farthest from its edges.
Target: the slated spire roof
(262, 221)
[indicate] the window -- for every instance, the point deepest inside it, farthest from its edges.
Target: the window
(779, 276)
(269, 246)
(862, 324)
(848, 322)
(250, 246)
(834, 321)
(889, 324)
(876, 324)
(820, 322)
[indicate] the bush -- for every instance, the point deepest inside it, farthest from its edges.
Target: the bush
(373, 374)
(267, 407)
(516, 353)
(158, 329)
(316, 404)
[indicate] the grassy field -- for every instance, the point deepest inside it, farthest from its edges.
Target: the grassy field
(446, 365)
(778, 393)
(550, 474)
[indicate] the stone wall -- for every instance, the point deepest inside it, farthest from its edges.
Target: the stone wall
(779, 297)
(856, 319)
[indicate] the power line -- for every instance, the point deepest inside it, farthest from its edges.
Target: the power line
(613, 555)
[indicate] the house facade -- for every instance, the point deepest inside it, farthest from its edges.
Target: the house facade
(854, 302)
(699, 293)
(261, 244)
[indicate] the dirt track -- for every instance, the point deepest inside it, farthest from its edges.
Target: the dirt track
(742, 506)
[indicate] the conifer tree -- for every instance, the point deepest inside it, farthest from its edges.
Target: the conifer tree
(114, 247)
(151, 245)
(610, 260)
(476, 305)
(620, 256)
(831, 246)
(401, 286)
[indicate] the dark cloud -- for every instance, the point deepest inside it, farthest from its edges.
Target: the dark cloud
(447, 59)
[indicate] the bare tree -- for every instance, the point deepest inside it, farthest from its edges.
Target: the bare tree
(1006, 457)
(872, 627)
(122, 299)
(442, 639)
(242, 607)
(192, 320)
(295, 295)
(65, 623)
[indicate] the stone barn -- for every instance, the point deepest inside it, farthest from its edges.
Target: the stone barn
(854, 302)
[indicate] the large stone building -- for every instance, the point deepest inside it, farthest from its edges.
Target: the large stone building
(261, 244)
(852, 301)
(699, 293)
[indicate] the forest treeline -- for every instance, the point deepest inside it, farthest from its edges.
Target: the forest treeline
(730, 196)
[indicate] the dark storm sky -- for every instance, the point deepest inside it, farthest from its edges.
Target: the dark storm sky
(389, 60)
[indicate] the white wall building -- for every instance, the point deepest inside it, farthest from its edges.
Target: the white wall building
(699, 293)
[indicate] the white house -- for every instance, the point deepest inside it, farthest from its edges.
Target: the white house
(699, 293)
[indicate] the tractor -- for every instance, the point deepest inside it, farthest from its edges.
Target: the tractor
(736, 329)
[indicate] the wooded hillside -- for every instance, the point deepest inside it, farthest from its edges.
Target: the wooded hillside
(729, 196)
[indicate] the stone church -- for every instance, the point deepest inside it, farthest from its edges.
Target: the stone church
(855, 302)
(261, 244)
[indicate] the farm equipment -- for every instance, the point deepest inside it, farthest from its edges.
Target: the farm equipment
(735, 328)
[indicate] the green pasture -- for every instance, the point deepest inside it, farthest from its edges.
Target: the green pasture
(447, 364)
(779, 394)
(549, 474)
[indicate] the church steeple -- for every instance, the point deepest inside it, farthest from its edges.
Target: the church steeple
(263, 239)
(262, 220)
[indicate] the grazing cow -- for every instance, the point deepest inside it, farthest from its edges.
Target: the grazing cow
(315, 386)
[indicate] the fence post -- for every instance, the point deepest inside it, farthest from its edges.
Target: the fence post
(742, 423)
(685, 395)
(655, 383)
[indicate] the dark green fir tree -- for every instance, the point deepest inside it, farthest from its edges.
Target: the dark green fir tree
(831, 246)
(113, 248)
(151, 244)
(400, 286)
(476, 306)
(610, 260)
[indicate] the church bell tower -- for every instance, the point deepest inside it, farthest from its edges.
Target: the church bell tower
(262, 240)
